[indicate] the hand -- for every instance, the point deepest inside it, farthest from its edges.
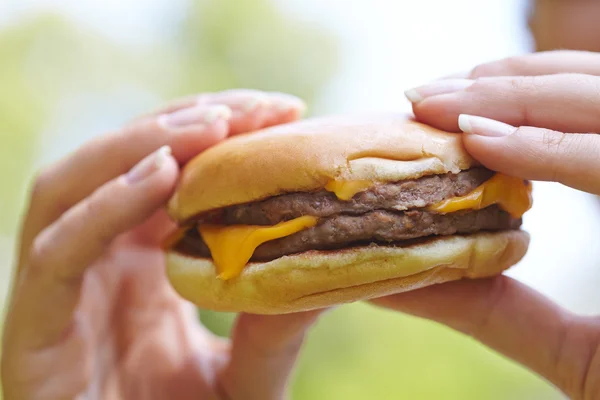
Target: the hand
(534, 117)
(91, 311)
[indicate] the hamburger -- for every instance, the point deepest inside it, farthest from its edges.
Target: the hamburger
(332, 210)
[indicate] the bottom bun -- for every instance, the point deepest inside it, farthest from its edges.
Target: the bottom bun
(318, 279)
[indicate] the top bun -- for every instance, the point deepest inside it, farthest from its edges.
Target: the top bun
(305, 155)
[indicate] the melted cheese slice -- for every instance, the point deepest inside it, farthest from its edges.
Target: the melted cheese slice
(512, 194)
(232, 246)
(345, 190)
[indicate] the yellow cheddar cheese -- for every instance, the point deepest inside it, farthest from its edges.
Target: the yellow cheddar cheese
(232, 246)
(345, 190)
(512, 195)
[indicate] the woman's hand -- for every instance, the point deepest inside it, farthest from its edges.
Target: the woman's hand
(535, 117)
(92, 314)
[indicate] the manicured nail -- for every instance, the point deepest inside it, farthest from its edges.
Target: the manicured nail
(149, 165)
(484, 126)
(196, 115)
(435, 88)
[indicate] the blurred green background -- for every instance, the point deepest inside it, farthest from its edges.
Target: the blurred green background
(63, 80)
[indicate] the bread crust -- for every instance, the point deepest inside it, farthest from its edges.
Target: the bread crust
(318, 279)
(305, 155)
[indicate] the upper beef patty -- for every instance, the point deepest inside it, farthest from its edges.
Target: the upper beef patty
(400, 196)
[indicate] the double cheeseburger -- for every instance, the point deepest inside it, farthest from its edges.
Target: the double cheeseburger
(333, 210)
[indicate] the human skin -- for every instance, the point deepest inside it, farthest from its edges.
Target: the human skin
(565, 24)
(92, 314)
(535, 117)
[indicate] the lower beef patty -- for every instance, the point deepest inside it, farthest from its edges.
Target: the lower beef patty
(379, 226)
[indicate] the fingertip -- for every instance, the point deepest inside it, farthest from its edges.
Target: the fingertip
(192, 140)
(285, 112)
(483, 149)
(167, 174)
(154, 177)
(439, 112)
(274, 109)
(413, 96)
(507, 155)
(464, 123)
(288, 104)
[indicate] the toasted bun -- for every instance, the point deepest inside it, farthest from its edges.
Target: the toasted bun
(319, 279)
(305, 155)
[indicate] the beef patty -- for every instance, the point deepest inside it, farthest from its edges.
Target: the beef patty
(388, 214)
(380, 226)
(400, 196)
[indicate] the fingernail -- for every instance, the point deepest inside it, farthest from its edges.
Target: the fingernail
(149, 165)
(254, 102)
(435, 88)
(196, 115)
(484, 126)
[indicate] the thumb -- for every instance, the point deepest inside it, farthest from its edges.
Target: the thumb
(263, 354)
(534, 153)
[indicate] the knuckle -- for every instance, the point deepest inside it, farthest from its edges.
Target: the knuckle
(565, 154)
(553, 141)
(555, 145)
(520, 90)
(524, 86)
(505, 67)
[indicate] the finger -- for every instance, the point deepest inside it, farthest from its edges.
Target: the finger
(72, 179)
(252, 109)
(567, 103)
(188, 131)
(534, 153)
(514, 320)
(155, 229)
(264, 350)
(48, 290)
(543, 63)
